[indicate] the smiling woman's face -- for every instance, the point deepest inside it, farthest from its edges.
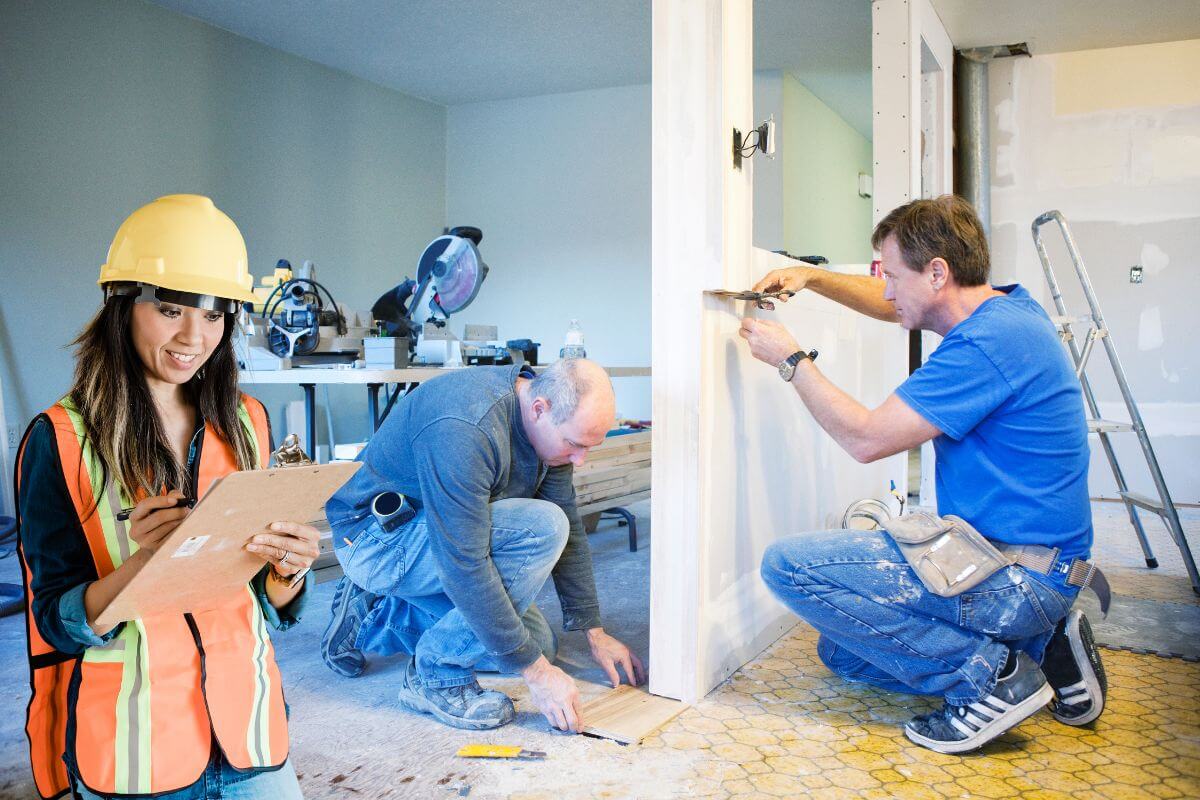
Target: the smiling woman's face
(174, 341)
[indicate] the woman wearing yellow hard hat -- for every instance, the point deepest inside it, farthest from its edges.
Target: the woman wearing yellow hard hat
(171, 705)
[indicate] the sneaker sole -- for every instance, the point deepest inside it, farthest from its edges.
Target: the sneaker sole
(415, 702)
(1082, 645)
(1001, 725)
(334, 624)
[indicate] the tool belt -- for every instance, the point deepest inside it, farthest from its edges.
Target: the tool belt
(951, 557)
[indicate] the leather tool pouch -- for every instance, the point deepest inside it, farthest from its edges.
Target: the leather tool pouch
(947, 553)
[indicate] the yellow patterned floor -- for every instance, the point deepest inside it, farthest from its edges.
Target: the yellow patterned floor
(785, 727)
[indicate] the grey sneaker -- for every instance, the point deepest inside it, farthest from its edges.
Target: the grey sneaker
(470, 706)
(1075, 672)
(350, 606)
(959, 729)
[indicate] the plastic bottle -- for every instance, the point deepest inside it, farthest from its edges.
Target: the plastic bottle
(573, 343)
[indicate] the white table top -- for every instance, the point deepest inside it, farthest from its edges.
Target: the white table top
(332, 375)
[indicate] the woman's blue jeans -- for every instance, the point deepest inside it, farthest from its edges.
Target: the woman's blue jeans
(880, 625)
(223, 782)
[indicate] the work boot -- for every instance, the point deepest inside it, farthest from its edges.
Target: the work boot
(470, 706)
(1020, 691)
(351, 605)
(1072, 666)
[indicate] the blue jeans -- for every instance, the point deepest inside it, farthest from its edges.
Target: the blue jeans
(223, 781)
(880, 625)
(415, 616)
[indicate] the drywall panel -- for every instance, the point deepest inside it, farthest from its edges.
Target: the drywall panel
(912, 70)
(694, 190)
(767, 468)
(1127, 77)
(1123, 168)
(738, 460)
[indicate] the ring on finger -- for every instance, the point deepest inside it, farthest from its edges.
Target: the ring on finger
(283, 559)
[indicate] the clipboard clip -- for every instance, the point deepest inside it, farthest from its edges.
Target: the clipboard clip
(290, 454)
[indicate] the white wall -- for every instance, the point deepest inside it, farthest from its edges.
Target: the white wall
(107, 105)
(1111, 138)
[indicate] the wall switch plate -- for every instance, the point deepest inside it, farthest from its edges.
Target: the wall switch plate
(1135, 274)
(866, 185)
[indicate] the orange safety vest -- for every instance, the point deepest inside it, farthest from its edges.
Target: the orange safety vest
(138, 715)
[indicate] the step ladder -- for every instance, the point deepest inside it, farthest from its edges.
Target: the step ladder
(1096, 330)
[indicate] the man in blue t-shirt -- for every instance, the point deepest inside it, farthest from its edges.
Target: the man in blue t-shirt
(1000, 400)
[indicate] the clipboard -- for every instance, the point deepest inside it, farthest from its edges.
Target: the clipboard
(201, 564)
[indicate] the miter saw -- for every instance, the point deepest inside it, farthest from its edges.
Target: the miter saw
(449, 274)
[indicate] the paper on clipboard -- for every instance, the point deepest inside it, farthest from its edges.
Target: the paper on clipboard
(202, 564)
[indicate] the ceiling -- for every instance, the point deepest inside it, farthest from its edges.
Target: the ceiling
(1057, 26)
(464, 51)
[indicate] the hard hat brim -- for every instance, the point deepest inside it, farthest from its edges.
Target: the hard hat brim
(149, 293)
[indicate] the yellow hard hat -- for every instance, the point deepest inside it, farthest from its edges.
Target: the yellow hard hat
(183, 244)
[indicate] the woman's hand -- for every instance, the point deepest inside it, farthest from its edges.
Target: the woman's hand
(289, 547)
(154, 518)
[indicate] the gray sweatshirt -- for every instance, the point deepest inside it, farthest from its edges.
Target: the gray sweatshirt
(454, 445)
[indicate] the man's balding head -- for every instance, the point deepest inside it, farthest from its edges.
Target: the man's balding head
(569, 407)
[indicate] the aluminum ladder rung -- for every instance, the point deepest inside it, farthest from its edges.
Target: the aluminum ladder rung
(1108, 426)
(1060, 321)
(1144, 501)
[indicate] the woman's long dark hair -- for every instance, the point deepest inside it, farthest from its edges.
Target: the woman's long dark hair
(119, 415)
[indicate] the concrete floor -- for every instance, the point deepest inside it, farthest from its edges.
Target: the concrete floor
(781, 727)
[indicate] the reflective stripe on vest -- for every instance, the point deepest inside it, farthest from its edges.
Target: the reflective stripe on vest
(146, 706)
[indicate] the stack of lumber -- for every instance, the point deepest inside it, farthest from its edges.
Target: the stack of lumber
(616, 473)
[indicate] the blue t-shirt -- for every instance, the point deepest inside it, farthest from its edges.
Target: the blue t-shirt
(1013, 455)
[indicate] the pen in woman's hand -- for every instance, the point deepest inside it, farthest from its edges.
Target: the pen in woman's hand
(124, 513)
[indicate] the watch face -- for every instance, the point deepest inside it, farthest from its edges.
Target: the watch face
(786, 370)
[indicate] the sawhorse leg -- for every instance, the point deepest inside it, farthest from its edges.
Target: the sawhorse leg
(373, 405)
(626, 519)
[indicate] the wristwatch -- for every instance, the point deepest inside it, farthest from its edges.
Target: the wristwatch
(787, 367)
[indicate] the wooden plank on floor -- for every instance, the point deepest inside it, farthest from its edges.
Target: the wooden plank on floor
(628, 714)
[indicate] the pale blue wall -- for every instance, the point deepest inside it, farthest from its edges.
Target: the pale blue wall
(560, 185)
(107, 105)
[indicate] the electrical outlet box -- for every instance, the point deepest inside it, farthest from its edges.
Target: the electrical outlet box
(768, 137)
(1135, 274)
(14, 436)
